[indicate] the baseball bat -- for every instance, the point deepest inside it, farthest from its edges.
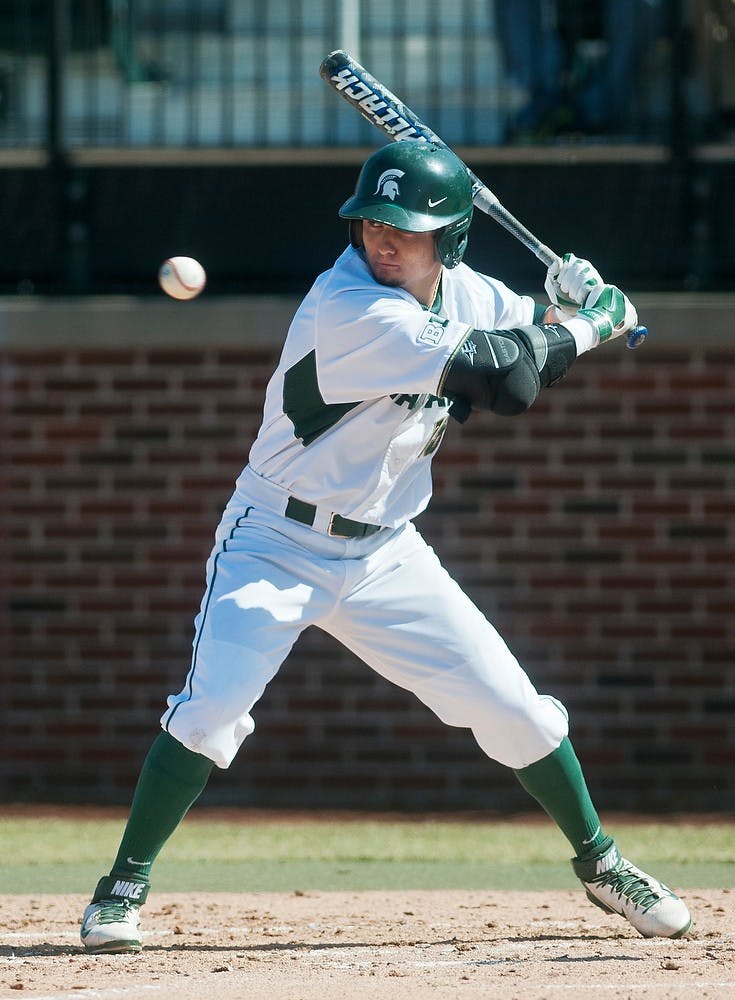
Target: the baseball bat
(396, 121)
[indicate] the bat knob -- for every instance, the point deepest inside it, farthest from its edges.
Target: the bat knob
(636, 337)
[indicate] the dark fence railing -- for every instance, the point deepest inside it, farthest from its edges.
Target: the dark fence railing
(617, 118)
(241, 73)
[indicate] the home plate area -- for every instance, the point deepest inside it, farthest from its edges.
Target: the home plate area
(402, 944)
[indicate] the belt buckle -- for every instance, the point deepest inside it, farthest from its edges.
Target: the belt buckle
(330, 529)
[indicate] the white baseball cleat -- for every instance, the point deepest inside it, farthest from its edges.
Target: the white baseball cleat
(111, 926)
(617, 886)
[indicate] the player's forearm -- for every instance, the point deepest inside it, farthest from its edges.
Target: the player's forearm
(582, 331)
(554, 315)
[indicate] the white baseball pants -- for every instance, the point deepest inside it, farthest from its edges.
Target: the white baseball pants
(387, 598)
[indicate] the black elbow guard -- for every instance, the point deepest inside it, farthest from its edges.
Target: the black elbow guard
(503, 370)
(552, 347)
(492, 370)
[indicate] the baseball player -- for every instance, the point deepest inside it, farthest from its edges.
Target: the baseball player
(398, 336)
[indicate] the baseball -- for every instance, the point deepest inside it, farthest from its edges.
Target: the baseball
(182, 277)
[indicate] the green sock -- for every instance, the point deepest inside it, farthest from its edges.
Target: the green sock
(171, 780)
(557, 783)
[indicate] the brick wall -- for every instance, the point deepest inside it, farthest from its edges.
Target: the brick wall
(596, 531)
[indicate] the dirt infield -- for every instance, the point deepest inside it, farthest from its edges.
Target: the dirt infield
(403, 944)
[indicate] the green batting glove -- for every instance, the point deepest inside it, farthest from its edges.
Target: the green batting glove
(610, 312)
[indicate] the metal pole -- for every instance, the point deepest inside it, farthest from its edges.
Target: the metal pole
(350, 27)
(58, 12)
(70, 184)
(679, 125)
(697, 182)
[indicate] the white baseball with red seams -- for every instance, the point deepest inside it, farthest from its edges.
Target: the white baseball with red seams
(182, 277)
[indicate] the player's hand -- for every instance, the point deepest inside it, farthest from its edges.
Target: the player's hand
(569, 281)
(610, 312)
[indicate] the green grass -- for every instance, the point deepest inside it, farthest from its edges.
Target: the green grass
(65, 854)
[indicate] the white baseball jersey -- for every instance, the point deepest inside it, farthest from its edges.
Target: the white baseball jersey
(354, 413)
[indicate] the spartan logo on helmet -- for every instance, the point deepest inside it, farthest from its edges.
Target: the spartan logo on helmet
(421, 188)
(387, 186)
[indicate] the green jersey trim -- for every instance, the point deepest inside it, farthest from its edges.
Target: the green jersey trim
(304, 404)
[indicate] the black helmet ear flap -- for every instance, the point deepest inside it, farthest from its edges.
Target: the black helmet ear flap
(451, 242)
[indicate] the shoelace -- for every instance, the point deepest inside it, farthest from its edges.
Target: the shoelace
(628, 882)
(113, 911)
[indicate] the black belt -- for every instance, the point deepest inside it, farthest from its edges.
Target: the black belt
(340, 527)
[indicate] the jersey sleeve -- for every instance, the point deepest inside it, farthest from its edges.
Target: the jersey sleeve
(493, 304)
(373, 342)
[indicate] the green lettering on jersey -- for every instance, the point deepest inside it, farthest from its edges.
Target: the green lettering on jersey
(415, 399)
(402, 399)
(303, 403)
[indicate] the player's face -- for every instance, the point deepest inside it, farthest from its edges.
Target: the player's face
(401, 259)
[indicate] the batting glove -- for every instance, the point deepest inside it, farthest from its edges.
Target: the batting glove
(569, 281)
(610, 312)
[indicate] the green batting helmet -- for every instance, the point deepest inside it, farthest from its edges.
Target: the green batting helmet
(419, 187)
